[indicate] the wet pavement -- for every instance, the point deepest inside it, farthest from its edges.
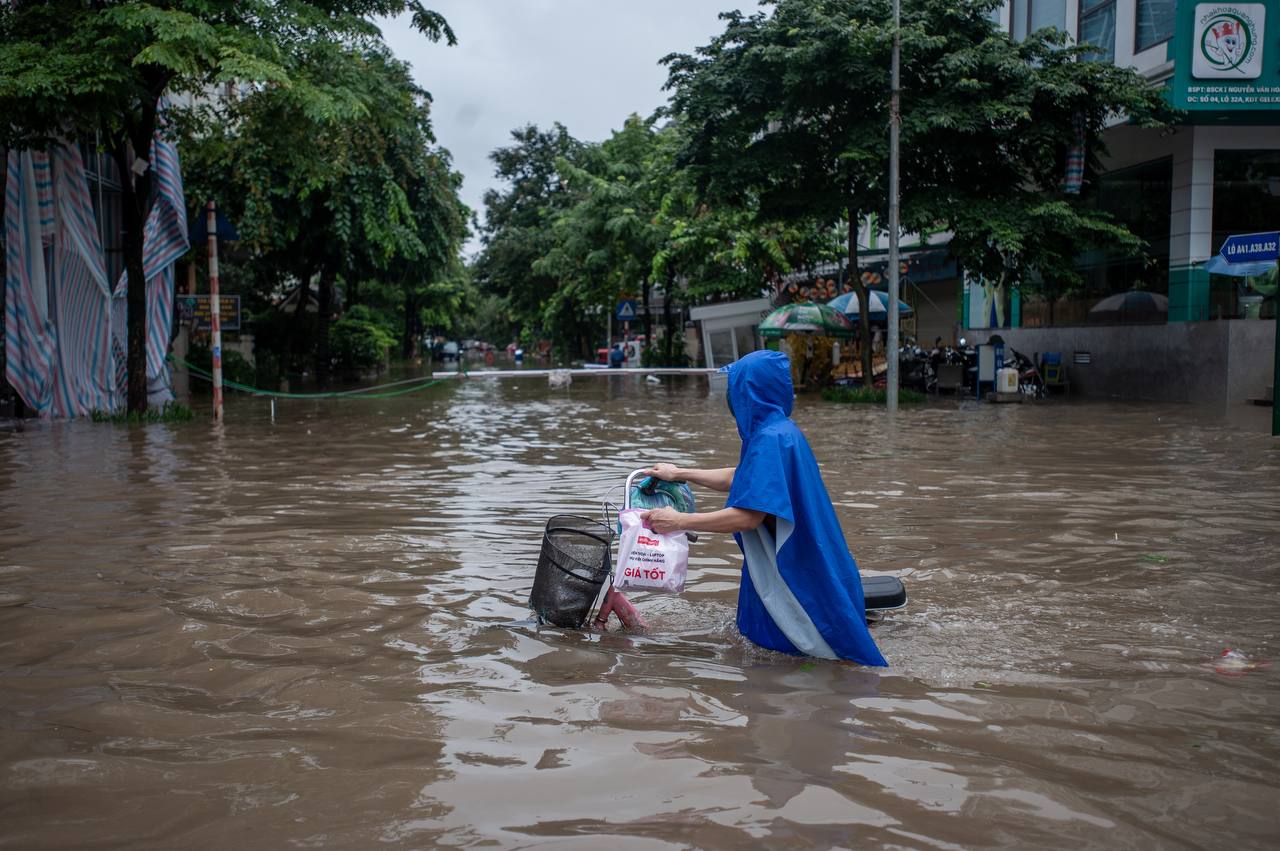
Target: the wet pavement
(298, 634)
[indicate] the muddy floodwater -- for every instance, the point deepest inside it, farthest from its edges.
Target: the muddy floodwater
(312, 633)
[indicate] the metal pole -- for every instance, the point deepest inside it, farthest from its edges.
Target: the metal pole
(215, 312)
(1275, 378)
(895, 120)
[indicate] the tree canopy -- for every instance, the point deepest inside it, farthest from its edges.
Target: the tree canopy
(788, 108)
(362, 196)
(71, 69)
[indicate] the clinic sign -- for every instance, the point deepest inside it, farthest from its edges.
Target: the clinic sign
(1227, 41)
(1227, 57)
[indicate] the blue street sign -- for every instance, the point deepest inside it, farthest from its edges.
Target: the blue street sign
(626, 310)
(1251, 247)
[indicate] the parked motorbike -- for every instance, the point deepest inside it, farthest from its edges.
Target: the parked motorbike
(1030, 382)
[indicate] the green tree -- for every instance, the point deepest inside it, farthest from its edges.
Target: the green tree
(355, 195)
(788, 110)
(633, 225)
(604, 243)
(72, 69)
(517, 228)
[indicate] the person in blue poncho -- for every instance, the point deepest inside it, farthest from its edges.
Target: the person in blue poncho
(800, 592)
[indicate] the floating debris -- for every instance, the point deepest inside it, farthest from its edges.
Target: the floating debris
(1234, 663)
(558, 379)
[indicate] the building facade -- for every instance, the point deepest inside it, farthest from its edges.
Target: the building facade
(1183, 189)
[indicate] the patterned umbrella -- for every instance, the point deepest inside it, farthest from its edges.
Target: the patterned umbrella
(848, 305)
(806, 317)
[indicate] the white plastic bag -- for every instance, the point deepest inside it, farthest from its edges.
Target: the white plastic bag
(648, 561)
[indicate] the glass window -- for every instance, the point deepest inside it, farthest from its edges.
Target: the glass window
(1098, 28)
(1027, 16)
(1018, 19)
(1048, 13)
(1155, 23)
(1140, 199)
(1246, 199)
(745, 337)
(721, 348)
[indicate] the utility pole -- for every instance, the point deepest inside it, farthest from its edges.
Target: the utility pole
(895, 121)
(215, 311)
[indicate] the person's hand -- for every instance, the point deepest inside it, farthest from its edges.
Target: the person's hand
(616, 604)
(666, 472)
(663, 520)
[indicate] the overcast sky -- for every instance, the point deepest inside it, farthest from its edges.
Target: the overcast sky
(585, 63)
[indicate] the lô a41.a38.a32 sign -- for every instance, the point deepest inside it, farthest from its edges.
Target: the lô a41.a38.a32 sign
(1251, 247)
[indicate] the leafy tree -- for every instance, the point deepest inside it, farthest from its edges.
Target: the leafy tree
(517, 229)
(603, 244)
(356, 195)
(788, 110)
(72, 69)
(633, 224)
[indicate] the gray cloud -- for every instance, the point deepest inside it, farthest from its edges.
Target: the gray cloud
(585, 63)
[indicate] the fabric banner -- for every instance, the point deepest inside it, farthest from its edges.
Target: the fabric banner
(164, 241)
(30, 344)
(66, 327)
(83, 381)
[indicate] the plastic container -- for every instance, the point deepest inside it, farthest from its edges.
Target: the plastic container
(1007, 380)
(573, 565)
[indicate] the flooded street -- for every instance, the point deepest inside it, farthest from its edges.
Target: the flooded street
(298, 634)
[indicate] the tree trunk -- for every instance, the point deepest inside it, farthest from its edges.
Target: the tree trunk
(669, 335)
(134, 208)
(295, 326)
(410, 324)
(644, 309)
(324, 316)
(864, 312)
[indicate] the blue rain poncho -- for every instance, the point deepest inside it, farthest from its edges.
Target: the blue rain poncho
(801, 593)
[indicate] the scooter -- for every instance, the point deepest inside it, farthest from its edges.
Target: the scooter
(1030, 382)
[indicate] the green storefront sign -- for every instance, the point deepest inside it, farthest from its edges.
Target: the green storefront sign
(1227, 61)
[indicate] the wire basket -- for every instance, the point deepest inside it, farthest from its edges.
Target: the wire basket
(573, 566)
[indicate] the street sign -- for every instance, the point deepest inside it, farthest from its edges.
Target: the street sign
(1251, 247)
(626, 310)
(194, 310)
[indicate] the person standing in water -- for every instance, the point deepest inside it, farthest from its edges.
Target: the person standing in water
(801, 592)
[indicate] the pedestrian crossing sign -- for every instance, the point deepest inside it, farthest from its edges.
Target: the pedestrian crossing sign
(626, 310)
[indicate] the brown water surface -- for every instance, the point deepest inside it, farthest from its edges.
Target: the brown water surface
(295, 634)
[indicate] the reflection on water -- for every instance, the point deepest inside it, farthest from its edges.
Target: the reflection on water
(313, 633)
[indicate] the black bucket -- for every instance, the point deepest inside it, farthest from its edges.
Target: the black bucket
(575, 562)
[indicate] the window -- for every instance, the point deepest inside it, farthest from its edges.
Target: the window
(1098, 28)
(1018, 19)
(1027, 16)
(744, 337)
(1140, 199)
(1155, 23)
(1246, 199)
(722, 353)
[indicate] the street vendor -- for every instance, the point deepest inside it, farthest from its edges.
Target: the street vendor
(800, 591)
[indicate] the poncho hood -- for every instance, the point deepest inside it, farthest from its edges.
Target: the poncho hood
(760, 390)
